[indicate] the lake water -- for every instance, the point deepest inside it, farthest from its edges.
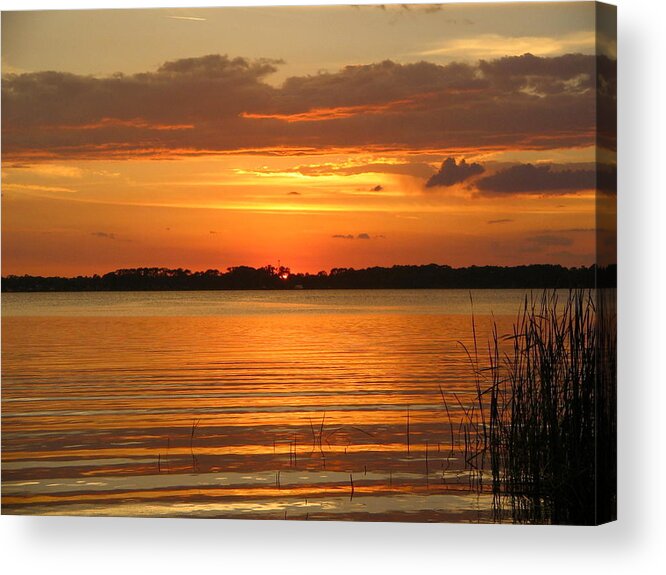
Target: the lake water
(253, 404)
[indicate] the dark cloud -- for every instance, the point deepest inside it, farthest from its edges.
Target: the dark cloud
(451, 173)
(361, 236)
(105, 235)
(182, 106)
(501, 221)
(531, 179)
(377, 189)
(218, 104)
(221, 67)
(570, 72)
(549, 240)
(180, 91)
(577, 230)
(293, 193)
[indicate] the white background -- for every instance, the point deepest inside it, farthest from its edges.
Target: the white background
(634, 544)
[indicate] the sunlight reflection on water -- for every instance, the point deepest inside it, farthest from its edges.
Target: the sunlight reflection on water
(240, 403)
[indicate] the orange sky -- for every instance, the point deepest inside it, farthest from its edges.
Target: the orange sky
(218, 147)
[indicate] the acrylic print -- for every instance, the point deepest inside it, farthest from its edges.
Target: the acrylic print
(310, 263)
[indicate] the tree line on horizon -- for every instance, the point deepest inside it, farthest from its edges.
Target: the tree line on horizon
(534, 276)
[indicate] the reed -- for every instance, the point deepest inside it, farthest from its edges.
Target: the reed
(195, 463)
(546, 400)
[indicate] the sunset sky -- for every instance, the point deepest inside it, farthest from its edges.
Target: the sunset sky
(321, 137)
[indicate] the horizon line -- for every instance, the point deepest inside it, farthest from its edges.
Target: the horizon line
(300, 273)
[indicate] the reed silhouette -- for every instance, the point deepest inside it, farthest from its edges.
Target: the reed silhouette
(545, 413)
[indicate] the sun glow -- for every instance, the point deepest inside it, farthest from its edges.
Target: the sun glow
(330, 156)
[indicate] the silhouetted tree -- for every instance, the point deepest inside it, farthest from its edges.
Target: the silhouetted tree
(269, 277)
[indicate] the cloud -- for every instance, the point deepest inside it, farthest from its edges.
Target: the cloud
(542, 76)
(293, 193)
(335, 113)
(377, 188)
(577, 230)
(496, 45)
(52, 170)
(501, 221)
(37, 188)
(451, 173)
(105, 235)
(190, 18)
(218, 104)
(61, 114)
(539, 179)
(549, 240)
(415, 169)
(361, 236)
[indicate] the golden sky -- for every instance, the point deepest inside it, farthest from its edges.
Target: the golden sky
(321, 137)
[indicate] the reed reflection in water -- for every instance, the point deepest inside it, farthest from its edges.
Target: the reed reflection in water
(310, 405)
